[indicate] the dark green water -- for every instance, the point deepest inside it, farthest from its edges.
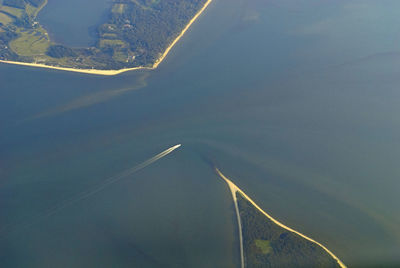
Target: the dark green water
(296, 102)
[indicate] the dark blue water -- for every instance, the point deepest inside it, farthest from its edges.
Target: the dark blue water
(295, 101)
(74, 22)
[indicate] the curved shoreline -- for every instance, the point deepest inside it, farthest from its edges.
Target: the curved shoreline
(234, 197)
(116, 72)
(235, 189)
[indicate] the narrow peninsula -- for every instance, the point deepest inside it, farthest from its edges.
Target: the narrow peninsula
(265, 242)
(138, 34)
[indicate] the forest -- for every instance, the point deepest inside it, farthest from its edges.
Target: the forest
(269, 245)
(147, 27)
(134, 34)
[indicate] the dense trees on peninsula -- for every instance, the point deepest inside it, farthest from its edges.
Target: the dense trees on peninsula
(269, 245)
(135, 33)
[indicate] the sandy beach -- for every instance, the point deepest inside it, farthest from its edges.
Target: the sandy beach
(235, 189)
(116, 72)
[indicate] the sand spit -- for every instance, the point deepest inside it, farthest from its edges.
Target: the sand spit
(235, 189)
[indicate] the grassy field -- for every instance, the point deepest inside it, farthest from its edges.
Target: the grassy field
(16, 12)
(30, 43)
(5, 19)
(148, 6)
(34, 11)
(118, 45)
(141, 5)
(30, 10)
(109, 36)
(263, 245)
(33, 42)
(112, 43)
(118, 8)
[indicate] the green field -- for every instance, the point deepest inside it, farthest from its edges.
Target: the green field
(30, 43)
(263, 245)
(16, 12)
(31, 10)
(140, 5)
(5, 19)
(112, 43)
(118, 8)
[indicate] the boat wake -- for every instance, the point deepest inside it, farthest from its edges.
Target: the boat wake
(88, 193)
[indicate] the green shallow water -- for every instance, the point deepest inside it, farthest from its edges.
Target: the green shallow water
(296, 102)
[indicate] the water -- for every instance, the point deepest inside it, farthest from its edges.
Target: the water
(296, 102)
(73, 23)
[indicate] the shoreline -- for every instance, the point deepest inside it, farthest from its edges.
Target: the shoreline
(116, 72)
(234, 197)
(235, 189)
(41, 7)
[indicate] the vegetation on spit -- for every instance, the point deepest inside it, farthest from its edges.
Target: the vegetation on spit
(136, 33)
(269, 245)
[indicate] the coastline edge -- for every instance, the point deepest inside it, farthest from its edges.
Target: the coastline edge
(235, 189)
(116, 72)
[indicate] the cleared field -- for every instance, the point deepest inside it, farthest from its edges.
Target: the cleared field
(141, 5)
(30, 43)
(109, 36)
(118, 8)
(5, 19)
(121, 56)
(17, 12)
(30, 10)
(112, 43)
(147, 5)
(264, 246)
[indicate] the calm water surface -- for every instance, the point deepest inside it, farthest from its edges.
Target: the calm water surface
(74, 22)
(297, 102)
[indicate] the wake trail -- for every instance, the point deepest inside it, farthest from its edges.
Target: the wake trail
(88, 193)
